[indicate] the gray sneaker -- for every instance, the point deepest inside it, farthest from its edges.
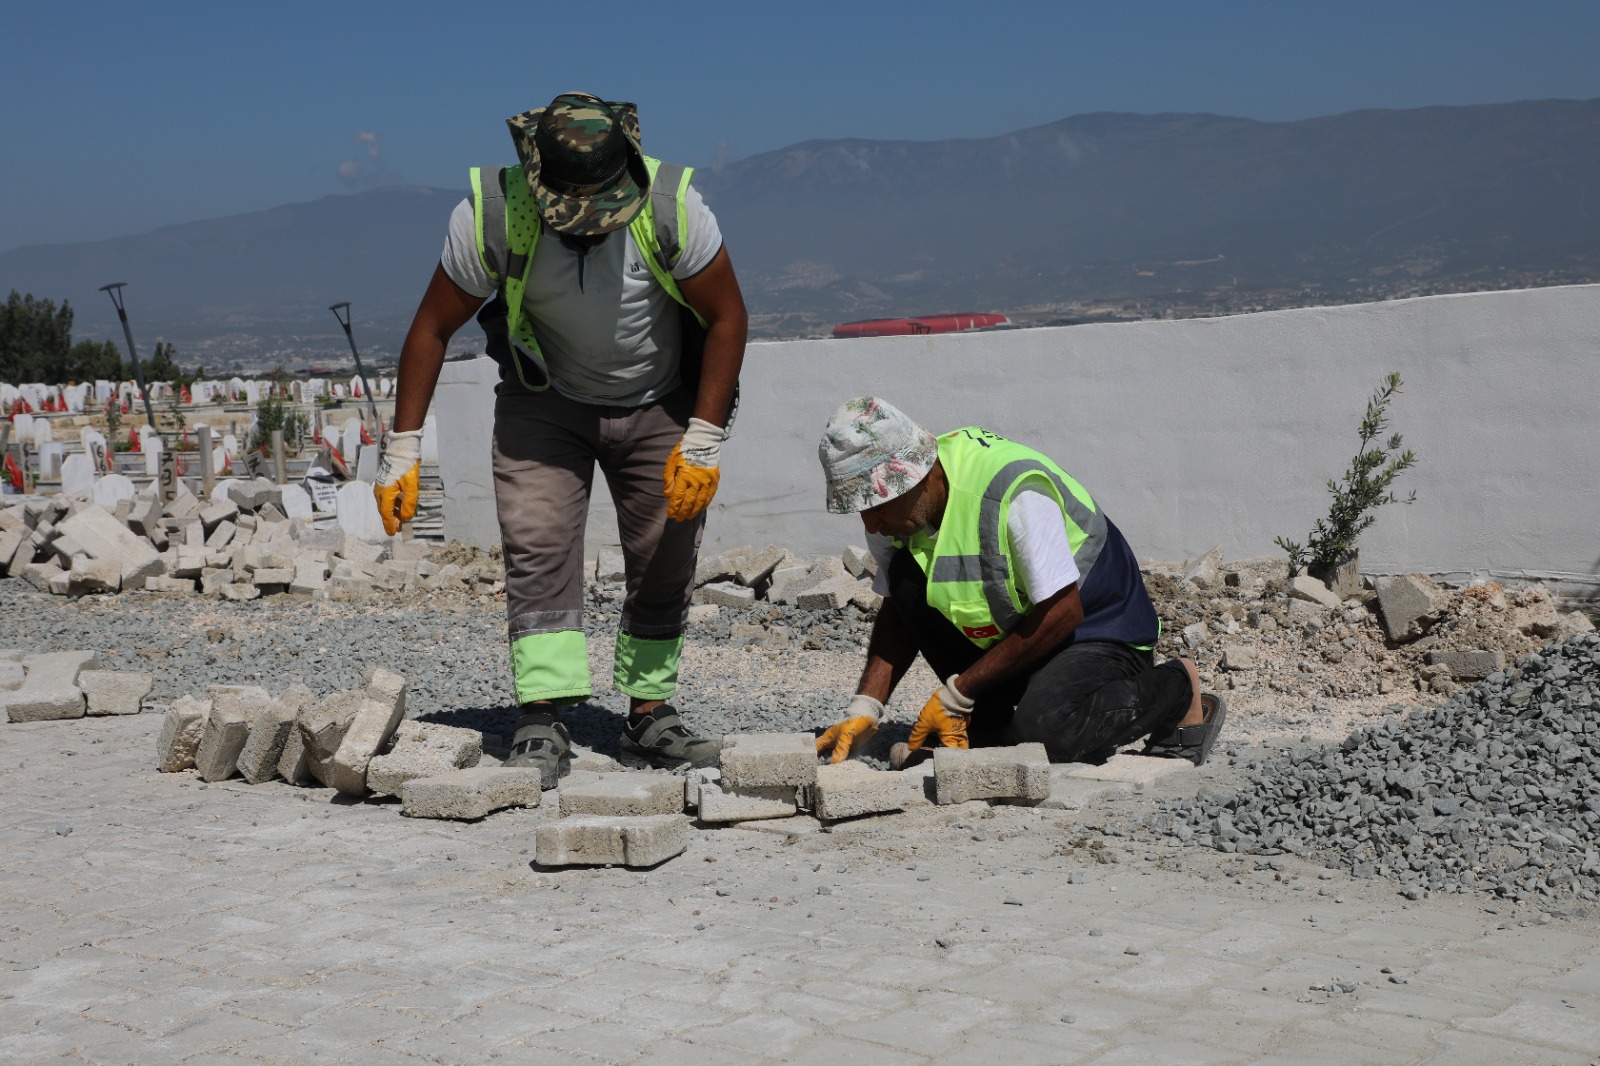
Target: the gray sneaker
(662, 740)
(542, 742)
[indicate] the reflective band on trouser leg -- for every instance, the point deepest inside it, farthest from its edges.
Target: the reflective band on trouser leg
(550, 666)
(646, 668)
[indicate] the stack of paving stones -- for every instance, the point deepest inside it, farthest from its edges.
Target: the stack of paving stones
(743, 576)
(239, 545)
(52, 686)
(1496, 790)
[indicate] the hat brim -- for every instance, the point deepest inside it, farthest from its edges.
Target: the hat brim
(599, 213)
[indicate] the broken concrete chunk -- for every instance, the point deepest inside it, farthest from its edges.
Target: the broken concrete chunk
(115, 691)
(725, 594)
(598, 840)
(1408, 605)
(1468, 665)
(180, 734)
(1020, 773)
(470, 794)
(1305, 587)
(43, 702)
(423, 749)
(757, 760)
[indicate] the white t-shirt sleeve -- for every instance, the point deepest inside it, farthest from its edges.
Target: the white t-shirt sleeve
(703, 240)
(460, 259)
(1039, 545)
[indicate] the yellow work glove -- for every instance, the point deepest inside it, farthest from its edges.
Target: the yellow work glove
(691, 475)
(944, 717)
(396, 487)
(861, 721)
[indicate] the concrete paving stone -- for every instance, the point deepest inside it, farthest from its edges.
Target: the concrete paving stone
(348, 1030)
(598, 840)
(322, 727)
(43, 702)
(115, 691)
(1456, 1048)
(205, 1033)
(725, 594)
(602, 1040)
(226, 730)
(470, 794)
(830, 595)
(1017, 773)
(377, 716)
(720, 805)
(1542, 1019)
(625, 794)
(107, 539)
(59, 668)
(850, 789)
(693, 779)
(269, 733)
(1139, 1049)
(674, 1052)
(760, 760)
(1069, 793)
(181, 730)
(934, 1027)
(423, 749)
(86, 576)
(796, 826)
(293, 765)
(1140, 771)
(987, 1048)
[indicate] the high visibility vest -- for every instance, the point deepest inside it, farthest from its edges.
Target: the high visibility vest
(508, 229)
(971, 574)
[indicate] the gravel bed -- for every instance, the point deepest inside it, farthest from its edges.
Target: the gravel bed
(1496, 790)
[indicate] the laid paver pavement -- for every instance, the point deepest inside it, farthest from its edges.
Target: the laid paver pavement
(146, 917)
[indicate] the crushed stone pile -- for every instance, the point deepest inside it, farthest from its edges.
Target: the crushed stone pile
(1496, 790)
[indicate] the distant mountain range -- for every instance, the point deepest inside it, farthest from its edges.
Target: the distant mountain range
(1168, 211)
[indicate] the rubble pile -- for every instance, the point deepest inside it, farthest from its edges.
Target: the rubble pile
(1251, 629)
(239, 545)
(1495, 790)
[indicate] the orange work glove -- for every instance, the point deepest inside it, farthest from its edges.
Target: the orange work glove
(396, 487)
(690, 477)
(944, 717)
(861, 721)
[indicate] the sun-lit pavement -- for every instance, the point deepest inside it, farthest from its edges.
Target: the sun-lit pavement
(147, 918)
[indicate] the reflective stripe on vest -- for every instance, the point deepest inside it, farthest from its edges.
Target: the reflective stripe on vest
(507, 224)
(990, 567)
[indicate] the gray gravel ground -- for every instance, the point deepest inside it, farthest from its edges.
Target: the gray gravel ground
(1496, 790)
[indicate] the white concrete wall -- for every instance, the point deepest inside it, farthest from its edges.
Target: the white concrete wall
(1191, 433)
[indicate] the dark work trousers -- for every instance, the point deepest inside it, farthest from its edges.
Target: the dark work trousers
(1078, 702)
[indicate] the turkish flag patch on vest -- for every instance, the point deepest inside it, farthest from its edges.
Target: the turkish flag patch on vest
(981, 632)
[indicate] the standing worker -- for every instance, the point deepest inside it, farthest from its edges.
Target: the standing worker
(1003, 573)
(620, 330)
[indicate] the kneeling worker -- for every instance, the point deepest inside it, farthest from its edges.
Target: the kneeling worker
(1001, 571)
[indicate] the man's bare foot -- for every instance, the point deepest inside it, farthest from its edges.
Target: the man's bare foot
(1197, 713)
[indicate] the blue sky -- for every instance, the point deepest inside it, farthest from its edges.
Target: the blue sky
(121, 117)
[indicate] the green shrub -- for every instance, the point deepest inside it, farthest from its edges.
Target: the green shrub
(1368, 484)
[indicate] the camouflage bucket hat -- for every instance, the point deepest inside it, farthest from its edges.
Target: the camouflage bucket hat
(582, 158)
(871, 453)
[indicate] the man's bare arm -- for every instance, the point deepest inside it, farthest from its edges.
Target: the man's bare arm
(714, 292)
(890, 653)
(1046, 627)
(445, 308)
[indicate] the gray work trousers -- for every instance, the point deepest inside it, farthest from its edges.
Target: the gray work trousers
(545, 451)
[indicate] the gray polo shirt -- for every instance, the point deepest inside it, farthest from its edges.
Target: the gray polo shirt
(609, 336)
